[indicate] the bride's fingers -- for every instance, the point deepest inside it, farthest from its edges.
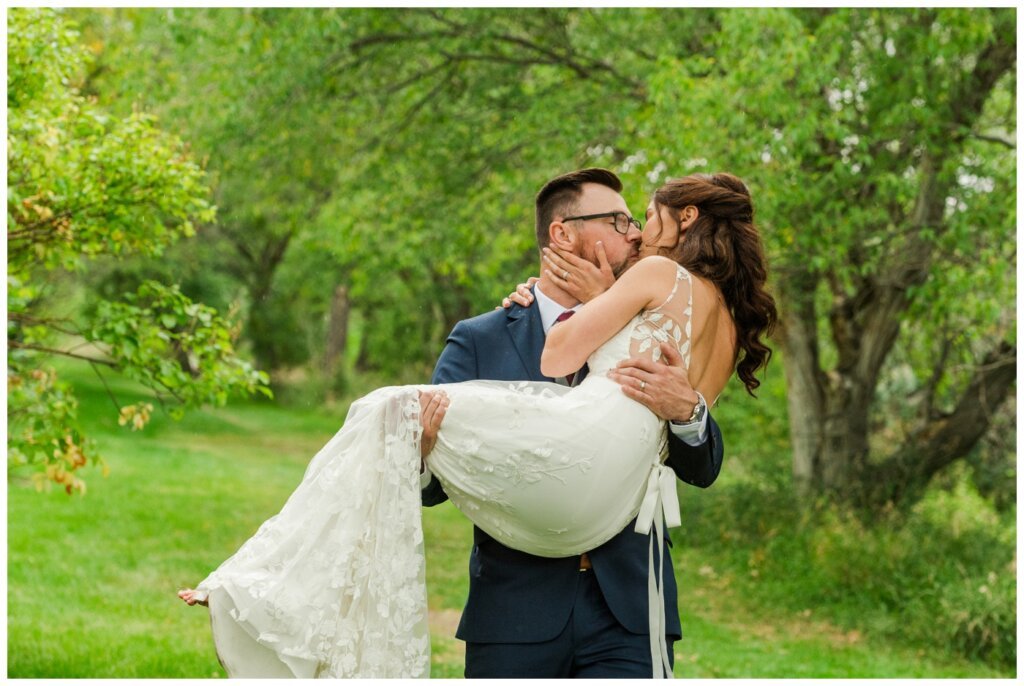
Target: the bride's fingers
(521, 295)
(559, 278)
(554, 259)
(574, 261)
(602, 258)
(557, 265)
(578, 276)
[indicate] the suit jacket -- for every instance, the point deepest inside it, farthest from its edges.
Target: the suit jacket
(515, 597)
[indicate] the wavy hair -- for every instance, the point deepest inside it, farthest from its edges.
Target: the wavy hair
(723, 246)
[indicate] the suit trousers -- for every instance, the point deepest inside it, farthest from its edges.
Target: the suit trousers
(592, 645)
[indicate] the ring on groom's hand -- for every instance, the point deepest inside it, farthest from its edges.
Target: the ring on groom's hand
(643, 384)
(565, 275)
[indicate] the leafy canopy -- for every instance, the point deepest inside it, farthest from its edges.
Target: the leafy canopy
(81, 185)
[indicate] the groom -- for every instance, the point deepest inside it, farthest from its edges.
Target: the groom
(583, 616)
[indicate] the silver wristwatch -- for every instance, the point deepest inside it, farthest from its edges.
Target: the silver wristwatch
(699, 410)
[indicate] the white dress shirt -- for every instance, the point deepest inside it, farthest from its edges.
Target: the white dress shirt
(549, 309)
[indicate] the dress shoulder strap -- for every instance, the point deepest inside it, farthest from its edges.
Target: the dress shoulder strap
(682, 274)
(669, 320)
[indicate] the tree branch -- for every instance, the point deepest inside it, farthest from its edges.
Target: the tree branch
(411, 113)
(994, 138)
(928, 405)
(942, 441)
(566, 59)
(65, 353)
(881, 302)
(28, 319)
(240, 246)
(393, 38)
(995, 60)
(104, 382)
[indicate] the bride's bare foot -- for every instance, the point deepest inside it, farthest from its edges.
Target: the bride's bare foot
(193, 597)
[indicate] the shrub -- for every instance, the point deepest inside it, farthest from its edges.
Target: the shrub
(941, 575)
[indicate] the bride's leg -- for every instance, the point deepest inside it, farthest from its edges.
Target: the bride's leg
(193, 597)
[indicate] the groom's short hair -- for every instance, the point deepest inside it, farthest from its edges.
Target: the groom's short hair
(559, 196)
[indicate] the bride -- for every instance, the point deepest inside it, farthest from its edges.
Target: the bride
(333, 585)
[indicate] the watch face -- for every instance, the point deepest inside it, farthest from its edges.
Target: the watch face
(699, 409)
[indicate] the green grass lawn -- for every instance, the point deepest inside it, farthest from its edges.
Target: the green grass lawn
(92, 580)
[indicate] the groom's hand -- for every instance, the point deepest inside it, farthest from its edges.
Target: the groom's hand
(433, 405)
(663, 387)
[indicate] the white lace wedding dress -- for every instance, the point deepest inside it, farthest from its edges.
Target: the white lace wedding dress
(333, 585)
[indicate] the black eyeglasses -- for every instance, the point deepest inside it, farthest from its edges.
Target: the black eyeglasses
(622, 220)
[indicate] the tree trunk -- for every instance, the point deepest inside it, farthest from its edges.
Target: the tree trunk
(260, 328)
(337, 332)
(256, 270)
(804, 379)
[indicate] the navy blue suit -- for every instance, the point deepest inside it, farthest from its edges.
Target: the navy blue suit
(516, 598)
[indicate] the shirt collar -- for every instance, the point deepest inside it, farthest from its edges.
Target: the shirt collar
(549, 309)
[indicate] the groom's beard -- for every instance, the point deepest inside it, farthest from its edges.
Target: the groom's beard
(618, 268)
(629, 261)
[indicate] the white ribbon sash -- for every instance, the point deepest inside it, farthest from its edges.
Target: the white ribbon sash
(660, 503)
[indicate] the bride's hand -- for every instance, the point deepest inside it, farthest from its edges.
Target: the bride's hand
(577, 276)
(522, 295)
(433, 405)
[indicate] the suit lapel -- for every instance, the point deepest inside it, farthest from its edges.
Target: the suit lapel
(527, 333)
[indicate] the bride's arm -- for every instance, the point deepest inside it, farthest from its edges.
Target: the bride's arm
(571, 342)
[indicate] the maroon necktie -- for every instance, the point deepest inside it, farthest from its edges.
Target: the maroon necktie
(561, 318)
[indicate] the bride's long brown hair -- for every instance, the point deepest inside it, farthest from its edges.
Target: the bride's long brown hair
(723, 246)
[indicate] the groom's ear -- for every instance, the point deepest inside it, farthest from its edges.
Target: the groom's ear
(563, 236)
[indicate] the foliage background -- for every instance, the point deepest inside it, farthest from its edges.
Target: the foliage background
(341, 185)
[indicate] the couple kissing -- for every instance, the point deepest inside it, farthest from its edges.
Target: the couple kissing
(558, 426)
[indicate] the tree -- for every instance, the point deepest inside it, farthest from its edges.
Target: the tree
(414, 109)
(878, 144)
(83, 185)
(880, 148)
(271, 148)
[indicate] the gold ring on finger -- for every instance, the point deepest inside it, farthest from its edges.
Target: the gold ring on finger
(643, 384)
